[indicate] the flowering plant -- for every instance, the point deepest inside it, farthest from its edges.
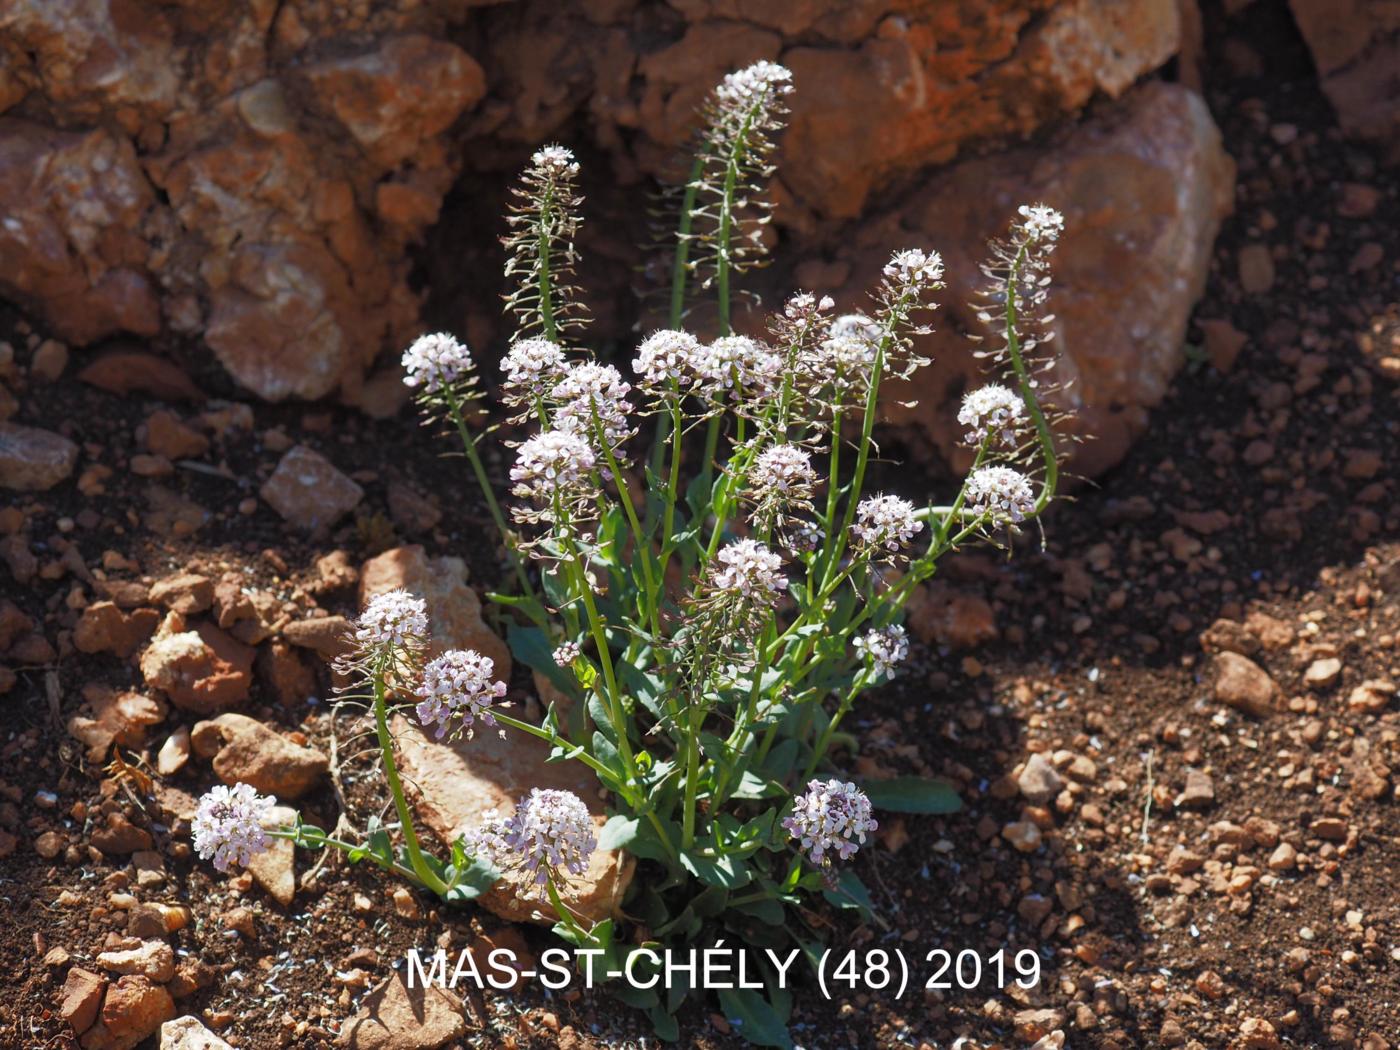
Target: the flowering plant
(702, 573)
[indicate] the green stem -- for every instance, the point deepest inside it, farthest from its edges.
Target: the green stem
(479, 469)
(611, 696)
(546, 290)
(692, 776)
(391, 774)
(824, 741)
(294, 836)
(680, 268)
(565, 916)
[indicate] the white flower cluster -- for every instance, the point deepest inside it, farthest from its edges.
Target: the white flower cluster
(736, 361)
(549, 837)
(554, 162)
(458, 683)
(783, 470)
(914, 270)
(886, 522)
(532, 367)
(804, 538)
(885, 648)
(552, 463)
(830, 817)
(588, 387)
(1000, 492)
(667, 356)
(1041, 223)
(991, 412)
(228, 825)
(753, 83)
(394, 620)
(748, 568)
(436, 361)
(566, 654)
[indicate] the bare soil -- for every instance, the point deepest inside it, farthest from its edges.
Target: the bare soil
(1268, 488)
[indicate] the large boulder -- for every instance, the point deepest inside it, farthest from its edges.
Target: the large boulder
(460, 781)
(1355, 45)
(259, 171)
(1144, 184)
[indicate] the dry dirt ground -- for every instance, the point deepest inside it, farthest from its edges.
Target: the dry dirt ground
(1194, 876)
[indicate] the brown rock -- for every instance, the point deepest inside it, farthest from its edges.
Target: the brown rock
(1356, 48)
(327, 636)
(1257, 1034)
(1038, 780)
(201, 670)
(49, 361)
(1158, 145)
(1322, 673)
(82, 995)
(1372, 696)
(285, 674)
(308, 491)
(109, 717)
(956, 619)
(154, 959)
(454, 610)
(1256, 267)
(174, 753)
(125, 372)
(459, 782)
(186, 593)
(275, 869)
(245, 750)
(394, 1017)
(75, 203)
(119, 835)
(1229, 636)
(104, 628)
(33, 460)
(412, 511)
(167, 436)
(1024, 835)
(134, 1009)
(187, 1033)
(1272, 633)
(1199, 792)
(1243, 684)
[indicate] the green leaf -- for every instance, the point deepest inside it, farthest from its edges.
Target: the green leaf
(912, 795)
(767, 910)
(476, 879)
(532, 647)
(618, 832)
(851, 895)
(728, 872)
(754, 1018)
(666, 1026)
(751, 786)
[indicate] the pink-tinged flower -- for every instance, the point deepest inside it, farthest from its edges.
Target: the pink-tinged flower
(552, 462)
(914, 270)
(228, 825)
(748, 568)
(886, 523)
(435, 361)
(458, 684)
(588, 388)
(668, 355)
(393, 620)
(991, 412)
(1041, 223)
(884, 648)
(549, 837)
(532, 367)
(831, 817)
(1000, 493)
(566, 654)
